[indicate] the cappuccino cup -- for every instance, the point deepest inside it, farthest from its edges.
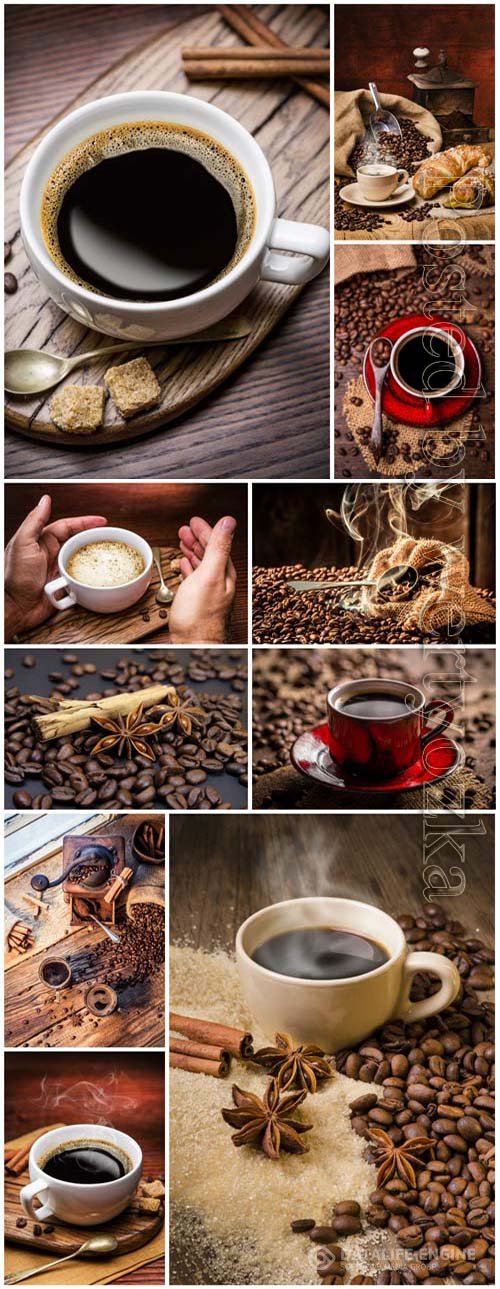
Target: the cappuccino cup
(80, 1204)
(377, 180)
(279, 250)
(378, 728)
(110, 590)
(337, 1013)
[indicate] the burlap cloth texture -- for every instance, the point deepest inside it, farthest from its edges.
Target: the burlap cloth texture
(286, 789)
(353, 109)
(453, 601)
(443, 446)
(347, 260)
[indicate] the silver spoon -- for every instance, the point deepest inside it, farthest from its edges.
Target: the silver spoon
(31, 371)
(380, 354)
(392, 577)
(114, 936)
(98, 1244)
(163, 595)
(381, 120)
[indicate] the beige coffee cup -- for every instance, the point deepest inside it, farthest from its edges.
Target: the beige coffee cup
(336, 1013)
(377, 180)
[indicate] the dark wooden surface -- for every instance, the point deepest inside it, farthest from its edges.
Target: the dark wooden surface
(272, 417)
(223, 872)
(290, 526)
(384, 37)
(155, 511)
(474, 310)
(39, 1017)
(30, 1104)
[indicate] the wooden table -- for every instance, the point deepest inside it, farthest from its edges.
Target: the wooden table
(222, 873)
(472, 307)
(452, 228)
(140, 1077)
(272, 418)
(154, 510)
(39, 1017)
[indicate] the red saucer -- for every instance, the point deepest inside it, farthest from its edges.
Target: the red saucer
(409, 409)
(311, 754)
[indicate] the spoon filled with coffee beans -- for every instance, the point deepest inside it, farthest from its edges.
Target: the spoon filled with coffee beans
(400, 574)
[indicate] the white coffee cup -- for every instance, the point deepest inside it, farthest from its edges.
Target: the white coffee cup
(73, 1202)
(99, 599)
(175, 318)
(456, 375)
(377, 180)
(336, 1013)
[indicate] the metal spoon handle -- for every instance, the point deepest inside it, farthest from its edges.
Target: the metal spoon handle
(112, 935)
(376, 441)
(101, 353)
(17, 1276)
(157, 560)
(326, 586)
(374, 93)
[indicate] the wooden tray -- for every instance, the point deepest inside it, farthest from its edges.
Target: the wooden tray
(292, 129)
(132, 1230)
(79, 626)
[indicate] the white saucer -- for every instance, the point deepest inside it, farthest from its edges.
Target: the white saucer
(352, 194)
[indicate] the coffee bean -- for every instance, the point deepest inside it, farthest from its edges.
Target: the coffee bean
(322, 1234)
(22, 800)
(303, 1224)
(10, 283)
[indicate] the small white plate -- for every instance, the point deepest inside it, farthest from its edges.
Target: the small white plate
(352, 194)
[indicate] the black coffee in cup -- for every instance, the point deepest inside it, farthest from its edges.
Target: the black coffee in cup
(87, 1163)
(378, 705)
(426, 363)
(148, 211)
(320, 953)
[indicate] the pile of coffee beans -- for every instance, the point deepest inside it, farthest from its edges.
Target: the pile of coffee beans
(398, 151)
(69, 773)
(139, 955)
(284, 616)
(436, 1080)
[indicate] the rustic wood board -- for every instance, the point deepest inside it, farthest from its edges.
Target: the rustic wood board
(132, 1230)
(38, 1017)
(294, 133)
(79, 626)
(473, 228)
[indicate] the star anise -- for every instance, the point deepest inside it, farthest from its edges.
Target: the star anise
(392, 1159)
(294, 1066)
(267, 1123)
(127, 733)
(181, 712)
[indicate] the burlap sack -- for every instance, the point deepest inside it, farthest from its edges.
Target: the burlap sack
(454, 601)
(348, 261)
(353, 109)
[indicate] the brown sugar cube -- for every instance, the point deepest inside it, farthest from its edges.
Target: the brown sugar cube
(133, 386)
(78, 409)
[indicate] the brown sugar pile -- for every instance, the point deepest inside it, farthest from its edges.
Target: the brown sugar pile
(231, 1209)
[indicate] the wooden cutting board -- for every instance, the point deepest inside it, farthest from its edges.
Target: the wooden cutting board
(143, 619)
(132, 1230)
(293, 131)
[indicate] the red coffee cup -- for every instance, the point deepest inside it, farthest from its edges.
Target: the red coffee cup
(380, 727)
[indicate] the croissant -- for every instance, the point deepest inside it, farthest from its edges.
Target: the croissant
(444, 167)
(474, 190)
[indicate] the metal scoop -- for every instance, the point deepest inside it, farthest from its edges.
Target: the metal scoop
(382, 121)
(392, 577)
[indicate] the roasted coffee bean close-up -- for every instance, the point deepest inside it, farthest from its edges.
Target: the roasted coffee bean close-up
(204, 767)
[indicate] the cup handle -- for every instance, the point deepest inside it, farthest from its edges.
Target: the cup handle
(66, 601)
(437, 705)
(450, 986)
(402, 177)
(310, 240)
(27, 1196)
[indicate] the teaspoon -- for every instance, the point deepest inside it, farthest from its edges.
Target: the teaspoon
(163, 595)
(31, 371)
(392, 577)
(97, 1244)
(114, 936)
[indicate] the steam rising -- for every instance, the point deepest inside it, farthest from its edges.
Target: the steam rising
(85, 1101)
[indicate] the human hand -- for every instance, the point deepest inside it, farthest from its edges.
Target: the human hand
(206, 593)
(31, 562)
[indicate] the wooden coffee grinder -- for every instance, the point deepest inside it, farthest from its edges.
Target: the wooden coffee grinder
(90, 866)
(450, 98)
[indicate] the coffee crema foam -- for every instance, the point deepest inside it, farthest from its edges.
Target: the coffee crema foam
(135, 136)
(105, 564)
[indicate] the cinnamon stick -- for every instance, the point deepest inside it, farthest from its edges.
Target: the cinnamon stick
(71, 717)
(212, 69)
(206, 1051)
(242, 20)
(237, 1042)
(119, 884)
(16, 1157)
(196, 1065)
(231, 53)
